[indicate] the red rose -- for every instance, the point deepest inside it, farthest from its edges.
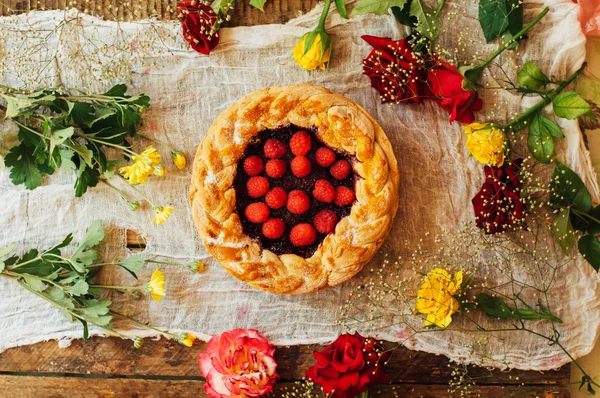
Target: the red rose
(498, 204)
(394, 69)
(198, 25)
(347, 367)
(446, 85)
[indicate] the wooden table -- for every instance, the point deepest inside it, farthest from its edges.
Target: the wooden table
(110, 367)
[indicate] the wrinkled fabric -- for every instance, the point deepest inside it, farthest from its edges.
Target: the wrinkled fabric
(188, 91)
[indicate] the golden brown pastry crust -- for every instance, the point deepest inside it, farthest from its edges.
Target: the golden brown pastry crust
(342, 125)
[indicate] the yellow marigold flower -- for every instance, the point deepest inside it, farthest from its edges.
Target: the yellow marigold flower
(156, 285)
(138, 172)
(486, 144)
(178, 159)
(313, 50)
(159, 171)
(436, 297)
(161, 214)
(151, 155)
(186, 339)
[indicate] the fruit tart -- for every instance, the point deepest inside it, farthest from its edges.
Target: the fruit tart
(294, 188)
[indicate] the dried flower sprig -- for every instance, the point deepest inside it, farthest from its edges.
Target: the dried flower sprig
(68, 282)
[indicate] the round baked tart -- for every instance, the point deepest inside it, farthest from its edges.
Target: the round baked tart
(294, 188)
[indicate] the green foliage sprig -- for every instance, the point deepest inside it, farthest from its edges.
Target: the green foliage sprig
(576, 215)
(67, 281)
(70, 131)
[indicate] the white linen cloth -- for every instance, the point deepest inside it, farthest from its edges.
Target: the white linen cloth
(188, 91)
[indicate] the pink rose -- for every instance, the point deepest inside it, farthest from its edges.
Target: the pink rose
(238, 363)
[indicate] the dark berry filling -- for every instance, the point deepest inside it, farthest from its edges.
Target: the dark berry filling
(334, 192)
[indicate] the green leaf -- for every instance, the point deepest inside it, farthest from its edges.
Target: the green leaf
(570, 105)
(495, 307)
(80, 288)
(539, 140)
(111, 168)
(84, 255)
(82, 113)
(86, 177)
(133, 264)
(34, 282)
(95, 308)
(589, 247)
(84, 153)
(341, 7)
(60, 136)
(567, 189)
(118, 90)
(379, 7)
(531, 76)
(86, 332)
(66, 160)
(402, 15)
(14, 105)
(24, 169)
(594, 227)
(428, 24)
(563, 230)
(4, 250)
(258, 4)
(498, 16)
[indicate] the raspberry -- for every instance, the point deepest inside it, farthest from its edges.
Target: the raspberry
(325, 221)
(325, 157)
(257, 186)
(273, 228)
(300, 143)
(303, 235)
(340, 170)
(324, 191)
(257, 212)
(301, 166)
(276, 168)
(276, 198)
(343, 196)
(253, 165)
(298, 202)
(274, 149)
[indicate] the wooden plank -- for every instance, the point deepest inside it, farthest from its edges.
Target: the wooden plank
(79, 387)
(166, 358)
(276, 11)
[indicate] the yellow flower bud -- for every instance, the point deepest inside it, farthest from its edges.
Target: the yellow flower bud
(436, 297)
(159, 170)
(197, 266)
(486, 144)
(313, 50)
(138, 342)
(134, 205)
(186, 339)
(178, 160)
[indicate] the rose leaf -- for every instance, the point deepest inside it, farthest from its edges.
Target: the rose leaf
(570, 105)
(589, 247)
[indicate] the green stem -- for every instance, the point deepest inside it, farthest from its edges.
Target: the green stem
(321, 25)
(541, 104)
(132, 319)
(516, 37)
(126, 288)
(164, 262)
(584, 214)
(438, 11)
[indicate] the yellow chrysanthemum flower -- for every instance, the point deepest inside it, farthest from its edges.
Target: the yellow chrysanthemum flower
(156, 285)
(436, 297)
(313, 50)
(178, 160)
(143, 166)
(161, 214)
(151, 155)
(138, 172)
(486, 144)
(186, 339)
